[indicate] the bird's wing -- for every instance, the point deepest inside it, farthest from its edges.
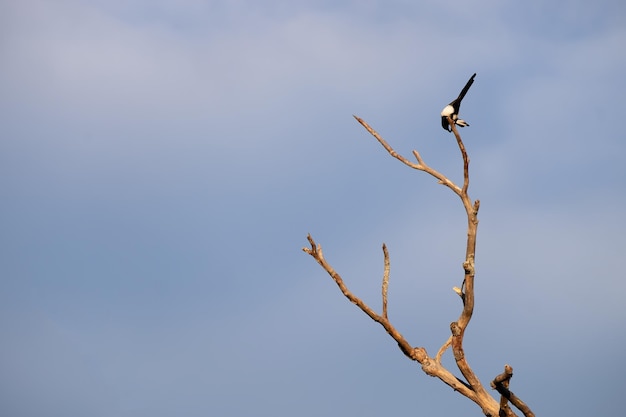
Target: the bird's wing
(445, 124)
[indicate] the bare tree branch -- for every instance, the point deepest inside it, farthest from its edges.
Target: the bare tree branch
(471, 387)
(465, 158)
(501, 384)
(420, 166)
(316, 252)
(418, 354)
(443, 349)
(385, 280)
(458, 328)
(504, 379)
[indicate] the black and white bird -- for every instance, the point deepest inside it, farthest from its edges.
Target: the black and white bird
(452, 109)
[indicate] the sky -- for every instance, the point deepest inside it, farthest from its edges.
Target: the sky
(162, 162)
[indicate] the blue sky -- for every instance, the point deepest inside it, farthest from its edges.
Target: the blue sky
(163, 161)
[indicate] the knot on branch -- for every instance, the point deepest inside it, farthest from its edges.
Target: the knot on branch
(455, 329)
(476, 207)
(419, 354)
(430, 368)
(457, 340)
(503, 378)
(468, 265)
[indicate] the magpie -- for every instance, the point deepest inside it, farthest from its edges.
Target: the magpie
(452, 109)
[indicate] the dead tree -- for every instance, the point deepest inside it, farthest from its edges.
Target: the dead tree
(469, 385)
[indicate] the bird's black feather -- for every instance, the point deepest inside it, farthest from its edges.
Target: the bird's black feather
(465, 89)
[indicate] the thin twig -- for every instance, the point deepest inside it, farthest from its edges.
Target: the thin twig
(464, 154)
(420, 166)
(385, 280)
(442, 349)
(389, 149)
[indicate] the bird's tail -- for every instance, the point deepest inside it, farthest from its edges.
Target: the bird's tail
(466, 88)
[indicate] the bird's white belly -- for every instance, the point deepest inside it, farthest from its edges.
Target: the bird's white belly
(447, 111)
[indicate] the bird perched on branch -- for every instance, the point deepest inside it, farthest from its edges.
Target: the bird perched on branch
(452, 109)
